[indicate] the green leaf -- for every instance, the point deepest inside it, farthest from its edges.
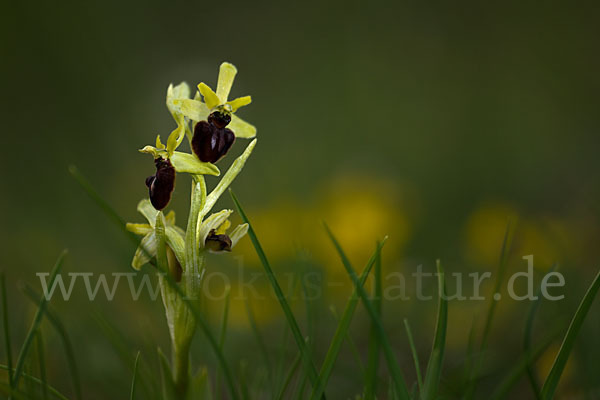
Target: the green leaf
(434, 366)
(37, 319)
(291, 320)
(343, 327)
(558, 367)
(390, 357)
(227, 179)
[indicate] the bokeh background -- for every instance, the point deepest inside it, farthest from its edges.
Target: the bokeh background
(433, 124)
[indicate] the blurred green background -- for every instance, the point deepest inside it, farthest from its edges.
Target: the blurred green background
(430, 123)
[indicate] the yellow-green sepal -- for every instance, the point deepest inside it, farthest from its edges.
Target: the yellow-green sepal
(181, 91)
(184, 162)
(145, 251)
(241, 128)
(192, 109)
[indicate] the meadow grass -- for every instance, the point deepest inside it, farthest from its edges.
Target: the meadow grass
(27, 377)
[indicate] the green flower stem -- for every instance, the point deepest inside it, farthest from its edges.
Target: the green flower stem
(181, 364)
(179, 318)
(194, 259)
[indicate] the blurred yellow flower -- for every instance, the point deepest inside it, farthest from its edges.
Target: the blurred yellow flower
(484, 233)
(359, 215)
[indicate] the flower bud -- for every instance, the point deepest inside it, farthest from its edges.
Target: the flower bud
(217, 243)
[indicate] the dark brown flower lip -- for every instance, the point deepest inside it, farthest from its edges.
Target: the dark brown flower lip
(216, 242)
(161, 184)
(212, 140)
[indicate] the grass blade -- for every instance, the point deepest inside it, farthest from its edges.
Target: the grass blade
(556, 371)
(122, 347)
(224, 321)
(289, 376)
(259, 341)
(168, 385)
(62, 332)
(300, 342)
(42, 363)
(343, 326)
(436, 359)
(415, 356)
(392, 362)
(374, 346)
(103, 204)
(535, 387)
(515, 373)
(351, 344)
(134, 379)
(6, 330)
(491, 312)
(37, 319)
(52, 390)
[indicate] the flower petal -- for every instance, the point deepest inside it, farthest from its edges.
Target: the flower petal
(145, 251)
(159, 144)
(238, 233)
(139, 229)
(227, 74)
(148, 211)
(192, 109)
(210, 98)
(212, 222)
(150, 150)
(239, 102)
(222, 229)
(185, 162)
(176, 137)
(170, 218)
(241, 128)
(176, 243)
